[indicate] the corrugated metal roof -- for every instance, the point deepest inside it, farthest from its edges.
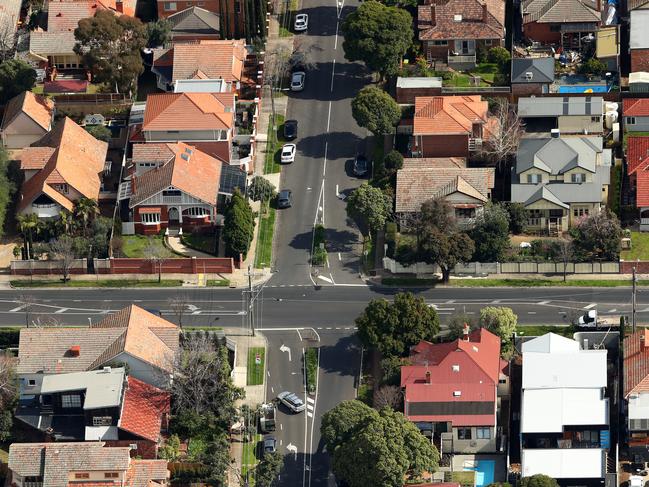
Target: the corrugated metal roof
(560, 106)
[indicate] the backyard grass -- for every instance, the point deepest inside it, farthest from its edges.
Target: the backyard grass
(264, 251)
(112, 283)
(462, 80)
(255, 371)
(465, 479)
(218, 282)
(133, 245)
(486, 71)
(274, 145)
(204, 243)
(639, 247)
(413, 281)
(538, 330)
(311, 368)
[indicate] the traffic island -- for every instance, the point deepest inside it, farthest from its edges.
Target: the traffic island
(311, 369)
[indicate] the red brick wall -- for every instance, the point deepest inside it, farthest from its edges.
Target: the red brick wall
(540, 32)
(148, 229)
(639, 60)
(235, 21)
(173, 266)
(445, 145)
(641, 267)
(146, 449)
(407, 95)
(524, 89)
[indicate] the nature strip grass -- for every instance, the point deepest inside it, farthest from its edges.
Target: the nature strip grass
(112, 283)
(311, 368)
(255, 375)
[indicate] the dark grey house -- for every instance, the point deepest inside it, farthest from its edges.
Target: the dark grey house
(195, 23)
(532, 76)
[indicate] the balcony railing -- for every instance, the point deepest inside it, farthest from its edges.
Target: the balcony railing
(475, 144)
(44, 206)
(455, 59)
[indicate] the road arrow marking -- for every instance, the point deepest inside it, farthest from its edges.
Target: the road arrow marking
(284, 348)
(326, 279)
(192, 307)
(292, 449)
(591, 305)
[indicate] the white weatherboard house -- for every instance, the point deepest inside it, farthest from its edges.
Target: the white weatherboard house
(564, 411)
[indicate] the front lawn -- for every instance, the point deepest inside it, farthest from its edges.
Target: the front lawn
(204, 243)
(274, 145)
(255, 370)
(133, 245)
(639, 247)
(264, 251)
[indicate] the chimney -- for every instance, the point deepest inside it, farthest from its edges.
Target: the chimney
(432, 15)
(476, 130)
(133, 178)
(75, 350)
(428, 377)
(485, 13)
(465, 332)
(119, 6)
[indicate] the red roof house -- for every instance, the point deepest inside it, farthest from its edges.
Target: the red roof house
(145, 410)
(636, 390)
(637, 160)
(452, 389)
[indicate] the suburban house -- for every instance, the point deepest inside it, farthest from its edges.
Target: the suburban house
(204, 59)
(451, 31)
(607, 47)
(636, 114)
(95, 405)
(560, 180)
(568, 114)
(146, 343)
(563, 22)
(532, 76)
(82, 464)
(637, 168)
(232, 12)
(564, 421)
(203, 120)
(173, 186)
(194, 23)
(466, 189)
(27, 117)
(452, 392)
(636, 393)
(639, 40)
(61, 167)
(409, 88)
(450, 126)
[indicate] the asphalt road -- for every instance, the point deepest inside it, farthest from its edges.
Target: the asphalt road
(328, 139)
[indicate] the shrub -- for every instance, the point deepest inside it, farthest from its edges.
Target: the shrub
(593, 66)
(498, 55)
(319, 256)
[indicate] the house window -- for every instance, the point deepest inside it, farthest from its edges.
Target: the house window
(102, 420)
(483, 433)
(533, 178)
(197, 212)
(150, 218)
(70, 401)
(223, 135)
(111, 475)
(31, 382)
(594, 119)
(62, 188)
(577, 212)
(630, 120)
(579, 177)
(146, 164)
(488, 42)
(440, 43)
(170, 6)
(237, 7)
(82, 475)
(502, 381)
(464, 433)
(172, 192)
(464, 212)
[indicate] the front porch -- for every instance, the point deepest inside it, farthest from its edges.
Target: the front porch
(547, 222)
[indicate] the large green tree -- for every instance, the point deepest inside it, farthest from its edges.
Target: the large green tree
(377, 35)
(539, 480)
(500, 321)
(239, 226)
(268, 469)
(597, 237)
(261, 188)
(16, 76)
(369, 205)
(491, 234)
(377, 448)
(110, 47)
(393, 328)
(339, 423)
(375, 110)
(7, 187)
(158, 32)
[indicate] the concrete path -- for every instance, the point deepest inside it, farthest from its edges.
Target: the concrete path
(177, 246)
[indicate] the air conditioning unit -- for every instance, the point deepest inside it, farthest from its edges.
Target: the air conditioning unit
(529, 75)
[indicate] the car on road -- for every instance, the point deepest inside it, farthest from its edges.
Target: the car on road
(284, 199)
(288, 153)
(291, 401)
(290, 129)
(361, 166)
(301, 22)
(270, 444)
(297, 80)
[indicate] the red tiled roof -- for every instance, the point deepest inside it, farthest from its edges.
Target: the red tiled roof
(436, 115)
(636, 362)
(461, 19)
(637, 159)
(36, 107)
(189, 111)
(64, 15)
(143, 408)
(635, 107)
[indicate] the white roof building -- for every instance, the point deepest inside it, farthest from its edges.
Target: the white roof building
(563, 386)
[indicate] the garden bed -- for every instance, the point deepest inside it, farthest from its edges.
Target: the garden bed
(311, 369)
(264, 250)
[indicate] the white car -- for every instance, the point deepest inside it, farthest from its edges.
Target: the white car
(297, 81)
(288, 153)
(301, 22)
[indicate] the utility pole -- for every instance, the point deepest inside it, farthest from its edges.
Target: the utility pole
(633, 301)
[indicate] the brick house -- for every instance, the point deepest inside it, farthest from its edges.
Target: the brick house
(27, 117)
(232, 12)
(532, 76)
(562, 22)
(195, 23)
(450, 126)
(174, 186)
(636, 393)
(80, 464)
(636, 114)
(452, 392)
(637, 167)
(452, 30)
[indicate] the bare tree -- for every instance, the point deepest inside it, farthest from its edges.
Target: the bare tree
(62, 249)
(156, 253)
(566, 254)
(7, 37)
(8, 385)
(178, 305)
(27, 301)
(506, 133)
(387, 396)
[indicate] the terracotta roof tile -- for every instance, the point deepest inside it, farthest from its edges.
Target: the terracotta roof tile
(36, 158)
(637, 153)
(143, 408)
(64, 15)
(449, 114)
(189, 111)
(560, 11)
(434, 163)
(158, 153)
(36, 107)
(635, 107)
(147, 473)
(439, 21)
(636, 362)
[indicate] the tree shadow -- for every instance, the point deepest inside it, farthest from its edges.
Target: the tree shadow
(341, 145)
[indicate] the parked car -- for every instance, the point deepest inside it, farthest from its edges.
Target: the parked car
(290, 129)
(270, 444)
(361, 166)
(284, 198)
(301, 22)
(288, 153)
(291, 401)
(297, 81)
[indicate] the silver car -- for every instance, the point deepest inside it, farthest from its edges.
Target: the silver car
(297, 81)
(291, 401)
(301, 22)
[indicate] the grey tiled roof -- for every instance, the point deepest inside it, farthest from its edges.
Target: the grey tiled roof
(48, 43)
(195, 20)
(558, 155)
(560, 11)
(542, 70)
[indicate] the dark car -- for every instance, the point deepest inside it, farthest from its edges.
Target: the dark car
(284, 198)
(290, 129)
(361, 165)
(270, 444)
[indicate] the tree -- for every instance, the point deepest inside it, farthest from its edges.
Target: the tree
(16, 76)
(388, 396)
(110, 46)
(369, 205)
(99, 132)
(29, 225)
(592, 66)
(491, 234)
(239, 226)
(500, 321)
(377, 35)
(597, 237)
(261, 189)
(517, 217)
(216, 457)
(7, 188)
(340, 423)
(498, 55)
(375, 110)
(538, 480)
(268, 469)
(155, 253)
(393, 328)
(85, 209)
(456, 324)
(566, 253)
(158, 32)
(393, 161)
(8, 382)
(506, 133)
(62, 249)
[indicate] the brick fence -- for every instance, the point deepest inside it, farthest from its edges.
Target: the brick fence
(641, 267)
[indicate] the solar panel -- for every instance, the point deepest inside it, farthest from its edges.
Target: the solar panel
(232, 177)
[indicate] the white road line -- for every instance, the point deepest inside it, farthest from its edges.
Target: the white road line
(531, 312)
(612, 310)
(591, 305)
(541, 303)
(339, 257)
(62, 310)
(333, 72)
(332, 278)
(495, 301)
(326, 279)
(272, 389)
(281, 428)
(18, 308)
(329, 120)
(309, 400)
(337, 193)
(450, 301)
(336, 41)
(324, 166)
(309, 414)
